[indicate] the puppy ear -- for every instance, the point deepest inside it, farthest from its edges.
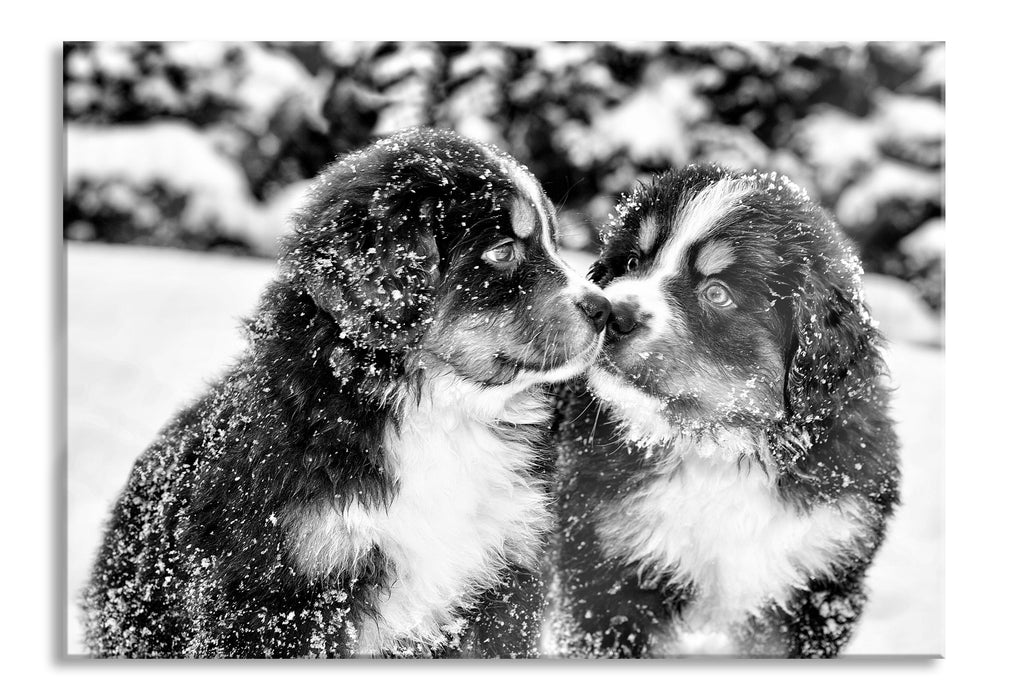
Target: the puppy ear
(834, 357)
(371, 264)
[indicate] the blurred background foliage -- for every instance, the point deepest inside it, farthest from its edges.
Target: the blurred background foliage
(210, 146)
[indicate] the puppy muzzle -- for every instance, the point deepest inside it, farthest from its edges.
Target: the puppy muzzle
(624, 319)
(596, 308)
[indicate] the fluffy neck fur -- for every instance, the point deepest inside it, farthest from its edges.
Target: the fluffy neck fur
(708, 517)
(464, 504)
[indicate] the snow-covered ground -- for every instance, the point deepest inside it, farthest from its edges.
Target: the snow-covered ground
(147, 328)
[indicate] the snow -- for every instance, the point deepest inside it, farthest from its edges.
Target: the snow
(933, 73)
(268, 77)
(912, 129)
(149, 327)
(889, 180)
(409, 59)
(146, 330)
(271, 79)
(480, 58)
(927, 242)
(558, 57)
(178, 156)
(651, 126)
(838, 146)
(902, 315)
(114, 59)
(909, 118)
(905, 613)
(172, 153)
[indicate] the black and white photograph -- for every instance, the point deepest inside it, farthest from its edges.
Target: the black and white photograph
(504, 349)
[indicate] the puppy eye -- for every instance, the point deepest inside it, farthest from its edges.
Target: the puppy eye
(503, 253)
(717, 294)
(632, 263)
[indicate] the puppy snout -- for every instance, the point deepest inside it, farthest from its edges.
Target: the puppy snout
(623, 318)
(596, 308)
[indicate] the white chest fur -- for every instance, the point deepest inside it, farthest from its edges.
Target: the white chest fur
(465, 506)
(717, 523)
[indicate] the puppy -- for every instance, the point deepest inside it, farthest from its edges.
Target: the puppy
(726, 482)
(369, 478)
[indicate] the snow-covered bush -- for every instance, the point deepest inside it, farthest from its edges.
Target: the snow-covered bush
(861, 126)
(164, 183)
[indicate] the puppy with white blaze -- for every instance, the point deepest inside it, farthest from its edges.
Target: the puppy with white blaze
(370, 477)
(727, 477)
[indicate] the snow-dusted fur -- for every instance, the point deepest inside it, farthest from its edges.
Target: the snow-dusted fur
(727, 471)
(467, 507)
(370, 477)
(715, 523)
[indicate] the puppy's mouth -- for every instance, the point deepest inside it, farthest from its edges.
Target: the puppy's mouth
(614, 384)
(648, 418)
(508, 371)
(644, 417)
(607, 376)
(559, 371)
(606, 364)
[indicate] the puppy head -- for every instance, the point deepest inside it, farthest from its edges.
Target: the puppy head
(428, 248)
(735, 304)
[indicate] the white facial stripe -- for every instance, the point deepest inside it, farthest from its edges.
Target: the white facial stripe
(534, 194)
(523, 181)
(714, 257)
(647, 234)
(695, 219)
(529, 187)
(698, 216)
(547, 217)
(647, 294)
(523, 218)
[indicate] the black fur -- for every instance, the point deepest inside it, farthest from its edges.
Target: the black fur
(820, 406)
(385, 258)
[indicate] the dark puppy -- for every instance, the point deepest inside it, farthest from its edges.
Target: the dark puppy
(728, 485)
(369, 477)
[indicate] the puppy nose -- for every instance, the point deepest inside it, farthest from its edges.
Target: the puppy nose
(623, 318)
(597, 308)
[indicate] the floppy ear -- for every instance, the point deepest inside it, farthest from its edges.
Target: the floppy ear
(376, 280)
(833, 359)
(367, 255)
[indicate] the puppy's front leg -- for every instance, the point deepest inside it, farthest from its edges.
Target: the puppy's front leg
(506, 623)
(818, 623)
(617, 619)
(311, 621)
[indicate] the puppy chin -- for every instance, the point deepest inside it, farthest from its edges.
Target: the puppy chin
(642, 416)
(501, 381)
(576, 365)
